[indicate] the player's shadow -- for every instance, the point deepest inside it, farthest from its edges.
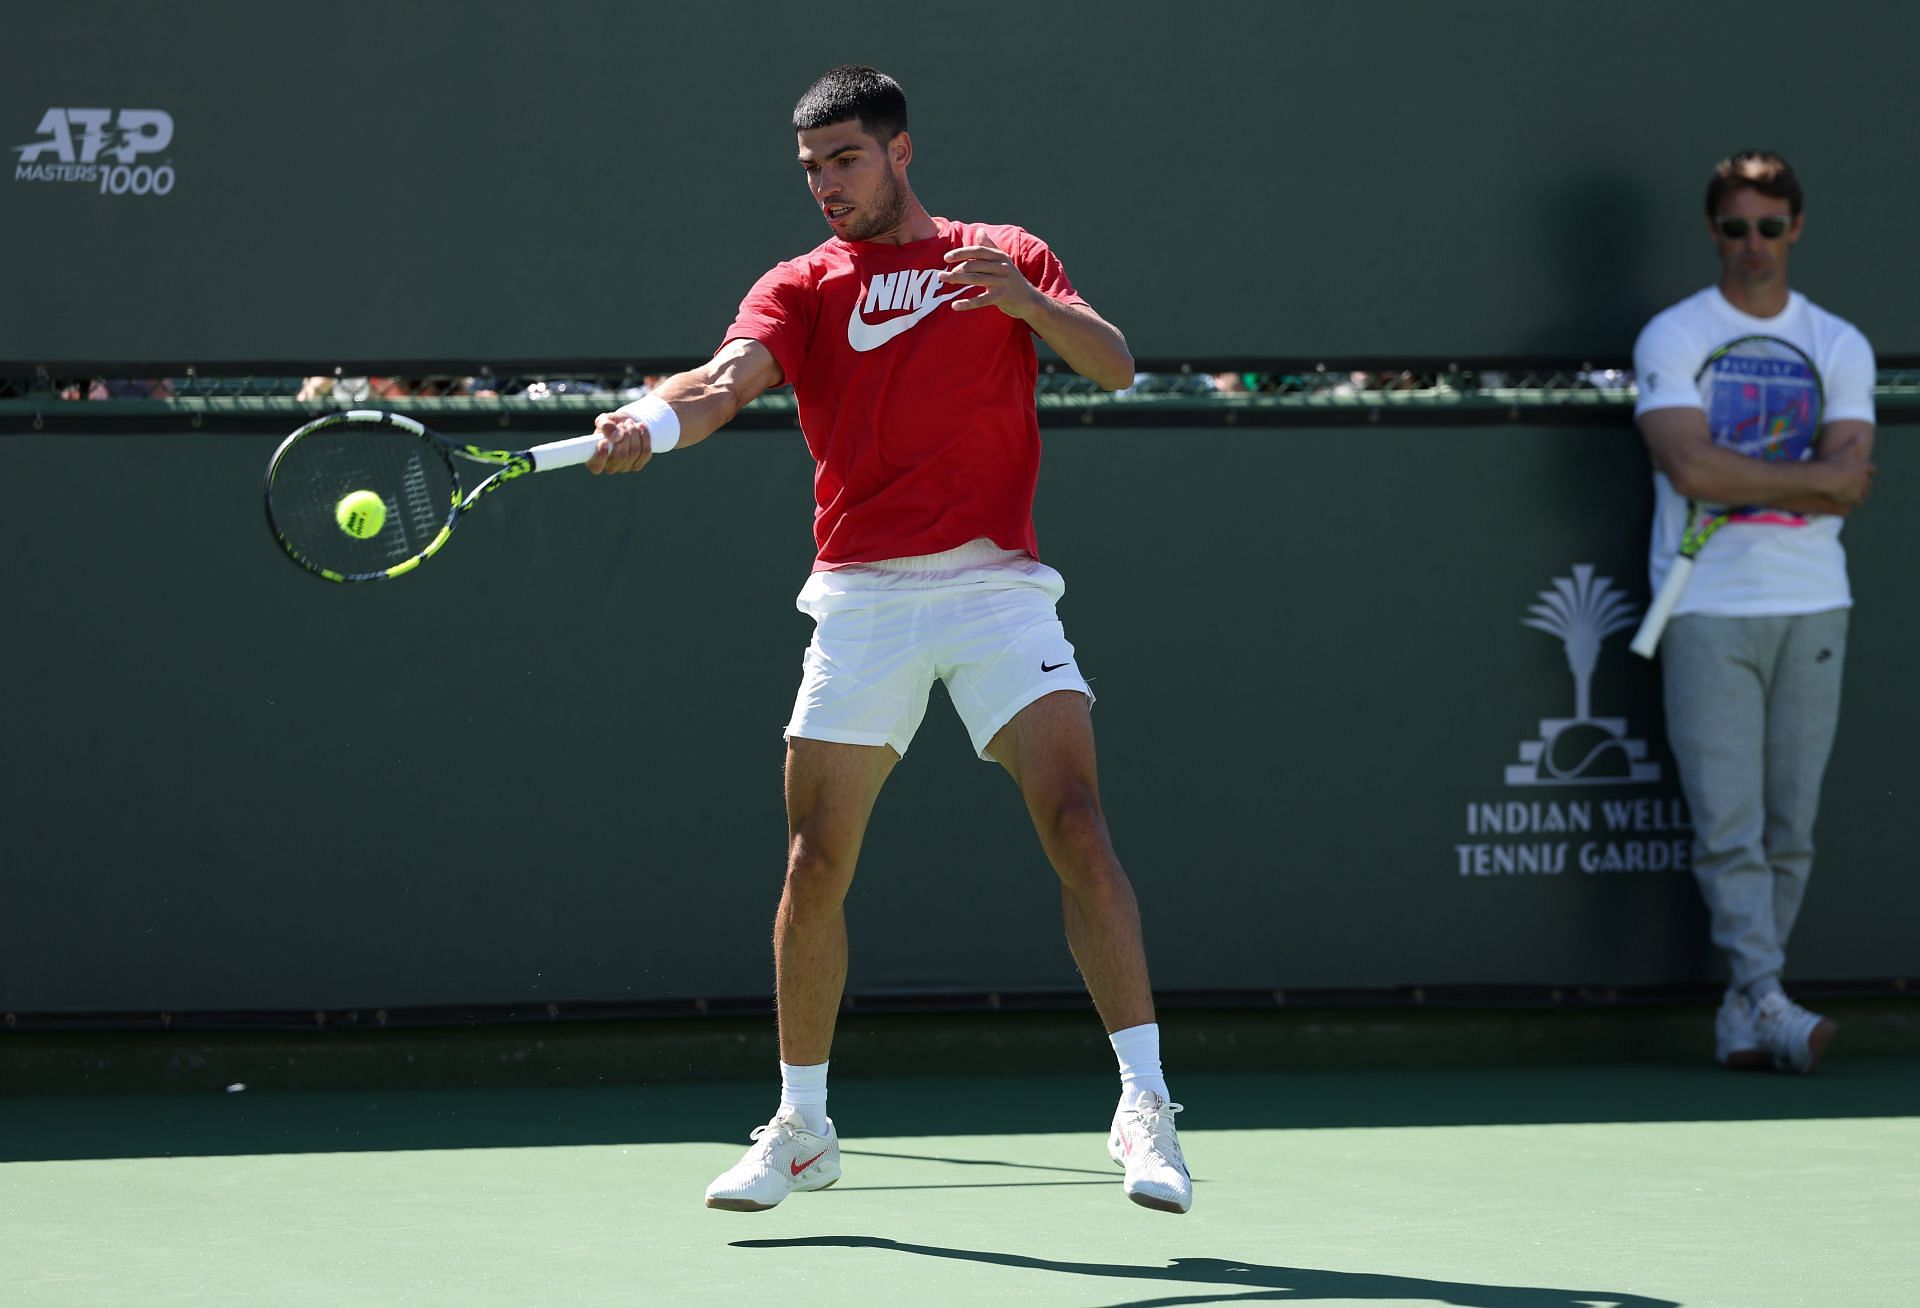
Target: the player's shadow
(1253, 1282)
(1106, 1175)
(1106, 1172)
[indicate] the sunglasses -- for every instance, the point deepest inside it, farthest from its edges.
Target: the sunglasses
(1735, 229)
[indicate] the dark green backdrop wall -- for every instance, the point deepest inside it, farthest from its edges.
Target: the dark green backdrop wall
(546, 767)
(475, 180)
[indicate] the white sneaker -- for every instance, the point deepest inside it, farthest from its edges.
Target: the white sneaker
(785, 1157)
(1795, 1037)
(1144, 1142)
(1735, 1042)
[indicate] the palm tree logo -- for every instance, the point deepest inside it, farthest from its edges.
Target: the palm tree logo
(1582, 610)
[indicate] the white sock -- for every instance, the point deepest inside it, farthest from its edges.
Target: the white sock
(1138, 1049)
(1759, 990)
(804, 1089)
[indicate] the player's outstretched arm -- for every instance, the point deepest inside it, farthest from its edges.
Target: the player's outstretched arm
(703, 400)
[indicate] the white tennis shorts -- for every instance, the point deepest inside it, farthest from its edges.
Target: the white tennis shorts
(980, 618)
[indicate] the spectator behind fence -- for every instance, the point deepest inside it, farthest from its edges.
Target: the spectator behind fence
(1752, 658)
(358, 389)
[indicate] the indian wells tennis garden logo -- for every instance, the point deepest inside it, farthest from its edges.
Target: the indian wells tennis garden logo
(1552, 835)
(105, 148)
(1582, 611)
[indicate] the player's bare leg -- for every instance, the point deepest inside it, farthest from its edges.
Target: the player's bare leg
(831, 789)
(1048, 749)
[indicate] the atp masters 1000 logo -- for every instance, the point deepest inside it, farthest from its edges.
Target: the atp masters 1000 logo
(100, 147)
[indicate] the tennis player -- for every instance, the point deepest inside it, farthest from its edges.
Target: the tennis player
(908, 340)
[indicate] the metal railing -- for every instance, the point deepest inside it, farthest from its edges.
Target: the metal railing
(95, 398)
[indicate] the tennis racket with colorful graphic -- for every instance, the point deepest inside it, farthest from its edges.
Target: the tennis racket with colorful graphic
(1763, 398)
(365, 495)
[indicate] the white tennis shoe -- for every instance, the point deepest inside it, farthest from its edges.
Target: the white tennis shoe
(785, 1157)
(1795, 1037)
(1144, 1142)
(1735, 1042)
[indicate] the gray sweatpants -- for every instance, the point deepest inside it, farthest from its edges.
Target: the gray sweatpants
(1752, 704)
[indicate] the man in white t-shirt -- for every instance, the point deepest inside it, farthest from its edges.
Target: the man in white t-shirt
(1752, 658)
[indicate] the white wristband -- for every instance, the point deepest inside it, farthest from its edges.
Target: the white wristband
(663, 425)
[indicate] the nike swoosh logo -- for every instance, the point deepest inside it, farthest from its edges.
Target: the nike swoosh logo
(1050, 667)
(799, 1167)
(863, 335)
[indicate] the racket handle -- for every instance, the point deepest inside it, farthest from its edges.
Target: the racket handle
(564, 454)
(1648, 637)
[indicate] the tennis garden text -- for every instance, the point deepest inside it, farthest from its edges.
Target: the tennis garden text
(1615, 835)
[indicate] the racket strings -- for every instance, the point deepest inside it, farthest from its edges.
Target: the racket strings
(1764, 399)
(415, 482)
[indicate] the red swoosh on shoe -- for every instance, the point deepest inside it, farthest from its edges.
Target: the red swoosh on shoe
(799, 1167)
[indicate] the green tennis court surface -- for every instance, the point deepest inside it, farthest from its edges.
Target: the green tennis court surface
(1632, 1185)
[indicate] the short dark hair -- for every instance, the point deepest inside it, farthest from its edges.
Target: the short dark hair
(1760, 170)
(854, 91)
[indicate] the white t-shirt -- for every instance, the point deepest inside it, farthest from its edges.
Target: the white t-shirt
(1771, 561)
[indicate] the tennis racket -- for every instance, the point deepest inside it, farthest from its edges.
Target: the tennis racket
(366, 495)
(1763, 398)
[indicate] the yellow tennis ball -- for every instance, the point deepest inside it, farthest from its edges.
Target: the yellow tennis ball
(361, 514)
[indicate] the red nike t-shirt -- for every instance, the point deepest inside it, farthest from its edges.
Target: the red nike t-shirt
(920, 417)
